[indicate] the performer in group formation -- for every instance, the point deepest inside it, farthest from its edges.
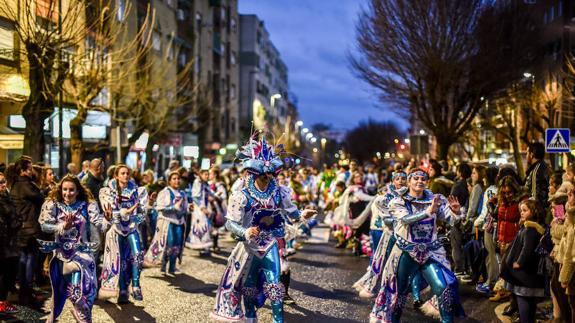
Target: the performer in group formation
(255, 216)
(381, 232)
(127, 208)
(218, 204)
(68, 213)
(418, 250)
(168, 241)
(200, 237)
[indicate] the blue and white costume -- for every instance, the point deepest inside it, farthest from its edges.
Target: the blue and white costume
(417, 250)
(200, 229)
(72, 269)
(381, 235)
(168, 241)
(253, 270)
(123, 255)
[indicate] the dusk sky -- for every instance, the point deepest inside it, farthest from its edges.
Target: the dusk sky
(314, 38)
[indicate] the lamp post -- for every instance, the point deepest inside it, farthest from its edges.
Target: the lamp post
(273, 99)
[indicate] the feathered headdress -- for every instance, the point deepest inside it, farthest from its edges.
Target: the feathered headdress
(260, 158)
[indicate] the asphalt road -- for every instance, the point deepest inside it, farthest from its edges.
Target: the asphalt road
(321, 286)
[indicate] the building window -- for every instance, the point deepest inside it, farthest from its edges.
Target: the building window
(7, 41)
(121, 10)
(234, 25)
(233, 91)
(551, 13)
(157, 41)
(560, 8)
(198, 21)
(233, 58)
(182, 59)
(181, 15)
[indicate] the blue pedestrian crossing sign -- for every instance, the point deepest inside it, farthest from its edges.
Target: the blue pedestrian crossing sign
(557, 140)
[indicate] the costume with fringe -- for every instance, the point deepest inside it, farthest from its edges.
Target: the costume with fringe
(254, 266)
(123, 255)
(168, 241)
(201, 226)
(417, 250)
(72, 269)
(382, 222)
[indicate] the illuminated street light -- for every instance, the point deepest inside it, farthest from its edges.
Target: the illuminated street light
(299, 123)
(422, 132)
(396, 140)
(305, 130)
(406, 140)
(315, 150)
(309, 136)
(313, 140)
(323, 141)
(527, 75)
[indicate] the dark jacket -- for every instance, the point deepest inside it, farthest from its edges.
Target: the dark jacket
(537, 182)
(522, 251)
(28, 200)
(10, 224)
(94, 184)
(460, 191)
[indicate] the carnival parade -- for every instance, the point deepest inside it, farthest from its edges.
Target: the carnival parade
(378, 161)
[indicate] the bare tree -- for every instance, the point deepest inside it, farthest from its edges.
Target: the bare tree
(109, 57)
(45, 30)
(435, 59)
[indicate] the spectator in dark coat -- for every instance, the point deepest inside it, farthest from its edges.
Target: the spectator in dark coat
(94, 180)
(28, 200)
(460, 191)
(519, 268)
(9, 226)
(537, 179)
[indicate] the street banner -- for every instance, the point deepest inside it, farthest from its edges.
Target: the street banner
(557, 140)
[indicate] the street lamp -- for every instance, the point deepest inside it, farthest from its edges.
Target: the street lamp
(527, 75)
(299, 123)
(305, 130)
(313, 140)
(273, 99)
(422, 132)
(309, 135)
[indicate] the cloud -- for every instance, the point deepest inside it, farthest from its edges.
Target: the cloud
(314, 38)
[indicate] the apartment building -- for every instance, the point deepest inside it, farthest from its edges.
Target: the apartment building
(263, 79)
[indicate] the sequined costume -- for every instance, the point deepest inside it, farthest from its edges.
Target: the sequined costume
(253, 271)
(417, 250)
(123, 255)
(382, 232)
(72, 269)
(168, 241)
(201, 226)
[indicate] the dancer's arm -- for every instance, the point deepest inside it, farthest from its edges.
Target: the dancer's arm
(48, 218)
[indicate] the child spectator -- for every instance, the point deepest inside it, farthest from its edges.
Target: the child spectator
(519, 268)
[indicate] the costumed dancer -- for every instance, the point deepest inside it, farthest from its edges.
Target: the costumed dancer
(349, 214)
(168, 242)
(68, 213)
(417, 249)
(123, 255)
(200, 232)
(256, 218)
(218, 204)
(381, 233)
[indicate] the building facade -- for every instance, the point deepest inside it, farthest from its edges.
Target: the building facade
(263, 79)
